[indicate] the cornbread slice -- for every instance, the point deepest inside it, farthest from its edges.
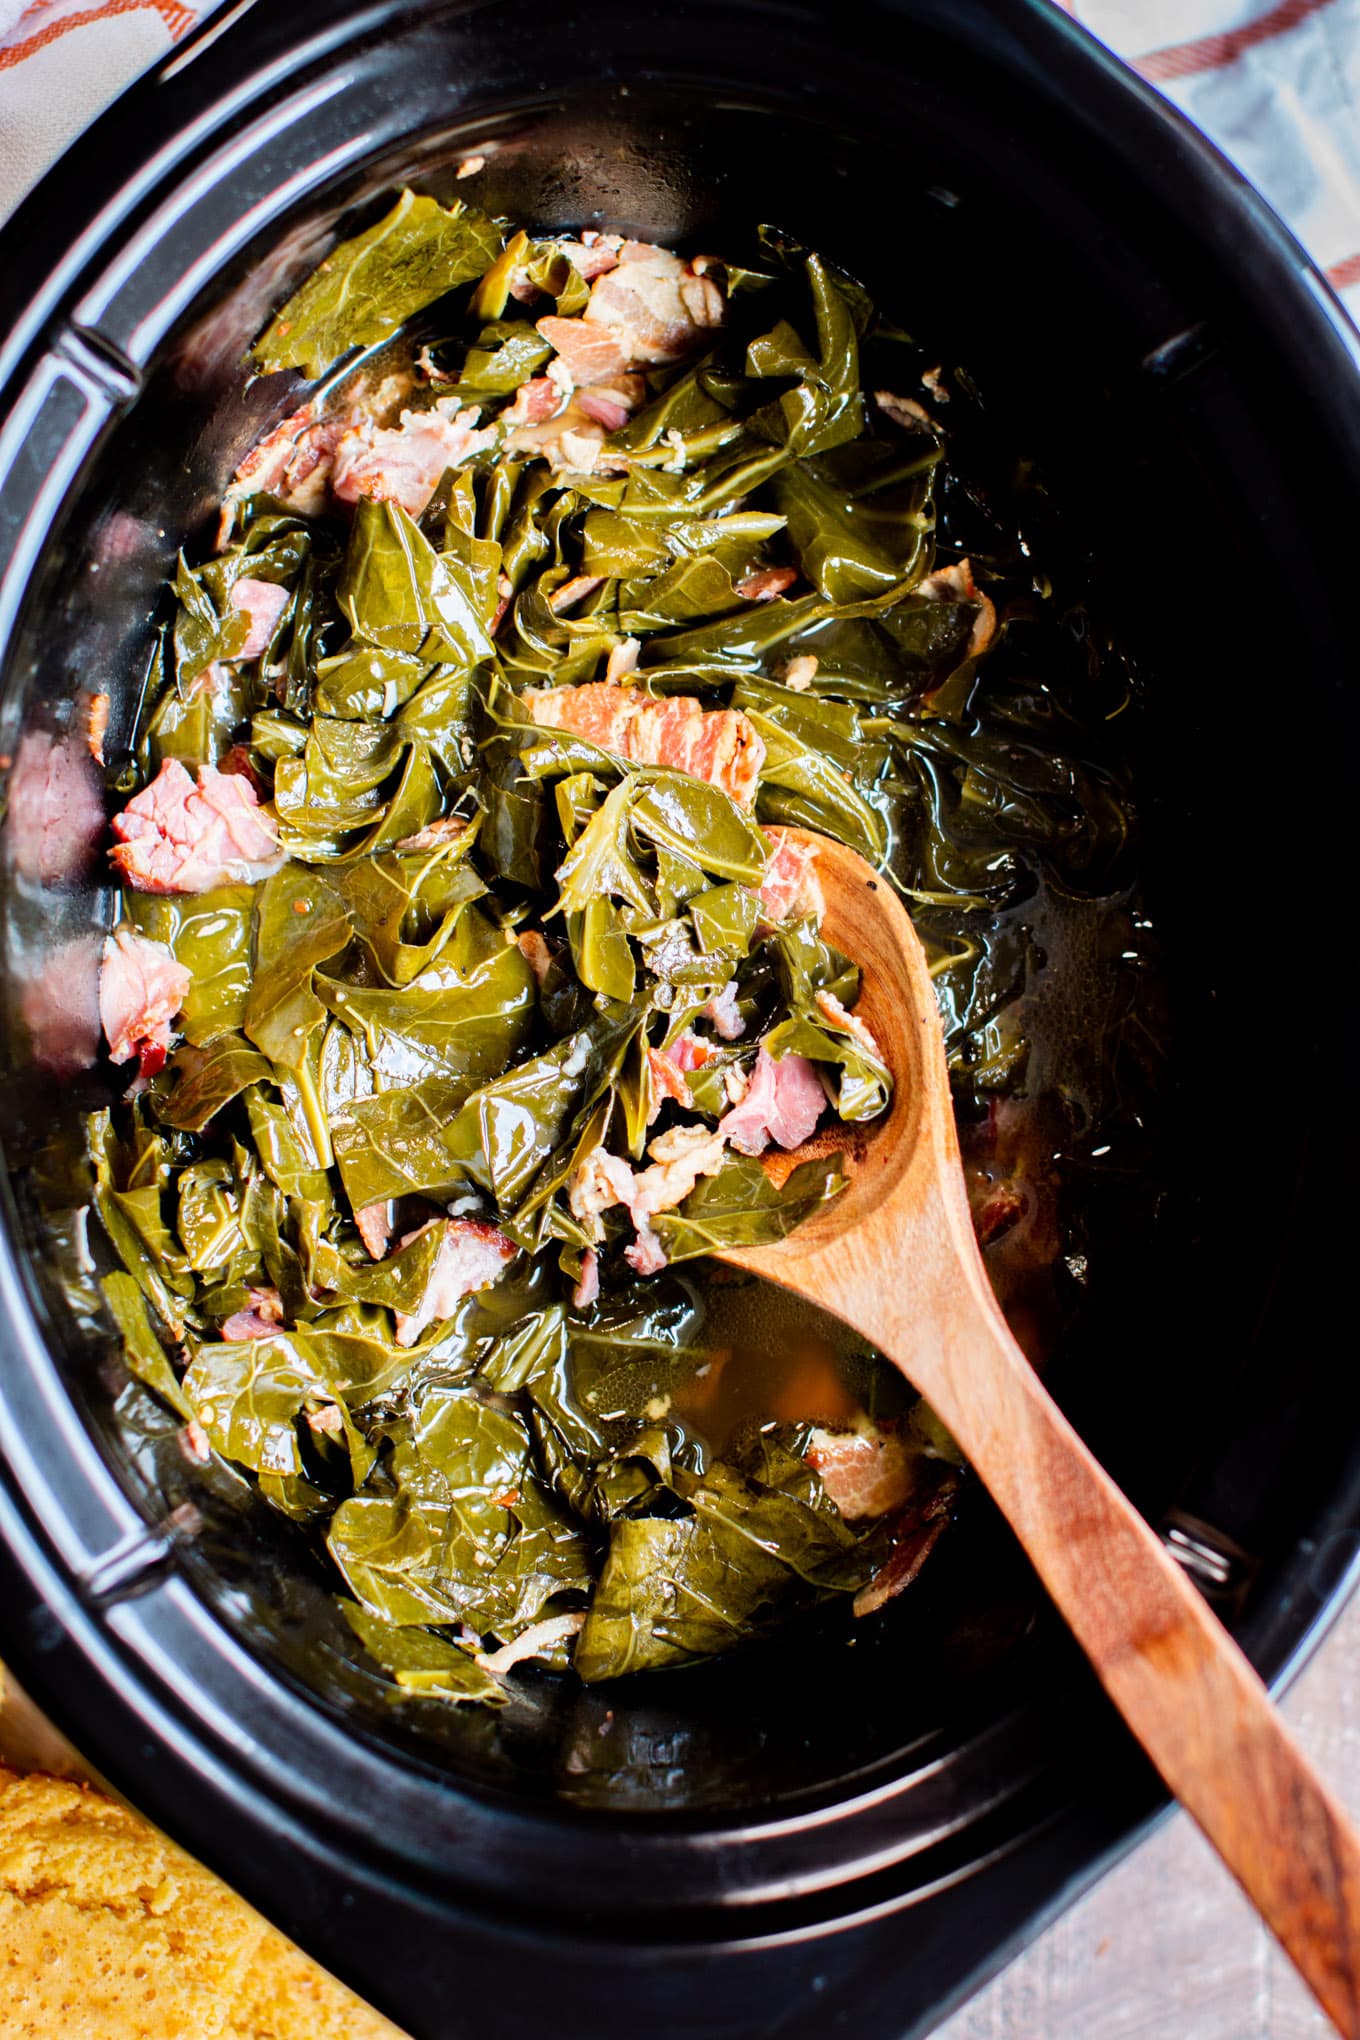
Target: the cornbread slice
(107, 1930)
(286, 1997)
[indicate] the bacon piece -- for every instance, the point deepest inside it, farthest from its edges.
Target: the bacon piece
(800, 673)
(623, 660)
(238, 759)
(592, 353)
(646, 1256)
(264, 603)
(96, 726)
(535, 402)
(866, 1471)
(594, 254)
(599, 1181)
(790, 885)
(955, 583)
(679, 1159)
(668, 1081)
(175, 837)
(588, 1288)
(657, 306)
(534, 1641)
(726, 1014)
(915, 1533)
(293, 462)
(375, 1227)
(571, 592)
(689, 1053)
(536, 951)
(572, 439)
(905, 411)
(720, 745)
(260, 1321)
(783, 1104)
(403, 463)
(766, 583)
(472, 1255)
(830, 1007)
(606, 408)
(141, 988)
(434, 835)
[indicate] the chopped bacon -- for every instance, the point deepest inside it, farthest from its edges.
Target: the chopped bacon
(264, 603)
(679, 1159)
(535, 402)
(592, 353)
(830, 1008)
(141, 988)
(536, 951)
(96, 726)
(606, 407)
(646, 1256)
(623, 660)
(293, 462)
(572, 439)
(790, 885)
(668, 1081)
(260, 1321)
(434, 835)
(717, 744)
(916, 1532)
(574, 591)
(783, 1104)
(535, 1641)
(800, 673)
(239, 759)
(375, 1227)
(403, 463)
(904, 411)
(599, 1181)
(659, 308)
(766, 583)
(472, 1255)
(175, 837)
(594, 254)
(689, 1053)
(955, 583)
(726, 1014)
(588, 1288)
(866, 1471)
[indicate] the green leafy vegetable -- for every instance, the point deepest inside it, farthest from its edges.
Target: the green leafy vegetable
(369, 286)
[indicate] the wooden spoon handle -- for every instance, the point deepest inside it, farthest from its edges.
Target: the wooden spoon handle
(1180, 1682)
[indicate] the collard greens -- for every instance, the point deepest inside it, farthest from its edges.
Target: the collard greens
(507, 942)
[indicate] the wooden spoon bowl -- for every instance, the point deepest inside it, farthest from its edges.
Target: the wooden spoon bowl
(896, 1257)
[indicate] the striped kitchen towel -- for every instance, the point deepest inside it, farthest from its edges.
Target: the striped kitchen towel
(1275, 82)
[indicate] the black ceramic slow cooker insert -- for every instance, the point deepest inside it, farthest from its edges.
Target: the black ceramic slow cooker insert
(796, 1841)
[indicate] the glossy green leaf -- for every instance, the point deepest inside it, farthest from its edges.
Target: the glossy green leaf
(369, 286)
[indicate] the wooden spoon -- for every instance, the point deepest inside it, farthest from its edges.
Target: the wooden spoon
(895, 1256)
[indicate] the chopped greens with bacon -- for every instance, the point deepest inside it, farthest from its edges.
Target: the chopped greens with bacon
(469, 964)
